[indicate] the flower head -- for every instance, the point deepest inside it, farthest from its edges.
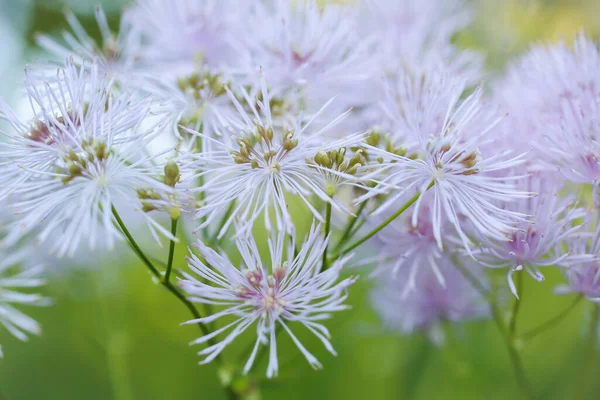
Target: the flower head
(582, 266)
(185, 31)
(114, 54)
(309, 52)
(539, 242)
(442, 156)
(82, 154)
(291, 289)
(431, 303)
(256, 162)
(14, 276)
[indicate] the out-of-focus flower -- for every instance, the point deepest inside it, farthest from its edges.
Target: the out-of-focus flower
(13, 276)
(552, 96)
(291, 289)
(403, 249)
(256, 163)
(183, 32)
(83, 152)
(431, 303)
(442, 160)
(115, 54)
(582, 267)
(310, 53)
(539, 242)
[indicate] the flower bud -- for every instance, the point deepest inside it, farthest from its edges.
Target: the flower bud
(171, 173)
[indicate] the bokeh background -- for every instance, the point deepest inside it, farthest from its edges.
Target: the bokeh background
(113, 334)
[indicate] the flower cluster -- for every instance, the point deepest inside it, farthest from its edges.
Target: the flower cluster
(244, 120)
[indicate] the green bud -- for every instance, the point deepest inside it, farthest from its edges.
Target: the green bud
(101, 151)
(171, 173)
(254, 163)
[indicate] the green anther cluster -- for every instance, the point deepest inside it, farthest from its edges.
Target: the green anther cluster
(172, 174)
(197, 83)
(376, 139)
(146, 196)
(76, 163)
(337, 160)
(248, 154)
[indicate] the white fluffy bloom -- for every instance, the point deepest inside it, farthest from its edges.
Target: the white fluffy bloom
(309, 52)
(539, 242)
(449, 167)
(82, 153)
(256, 163)
(11, 278)
(291, 289)
(179, 32)
(431, 304)
(114, 54)
(552, 95)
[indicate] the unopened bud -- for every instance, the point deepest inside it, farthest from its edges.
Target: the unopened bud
(171, 174)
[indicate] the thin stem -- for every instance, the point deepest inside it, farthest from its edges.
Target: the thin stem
(515, 358)
(512, 326)
(385, 223)
(586, 377)
(171, 249)
(552, 321)
(324, 263)
(350, 224)
(166, 284)
(200, 183)
(134, 245)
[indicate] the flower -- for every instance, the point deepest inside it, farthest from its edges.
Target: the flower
(431, 303)
(403, 249)
(82, 154)
(310, 53)
(552, 95)
(115, 54)
(17, 323)
(292, 289)
(444, 160)
(256, 162)
(539, 242)
(582, 266)
(184, 31)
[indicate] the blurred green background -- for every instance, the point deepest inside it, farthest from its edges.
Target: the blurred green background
(113, 334)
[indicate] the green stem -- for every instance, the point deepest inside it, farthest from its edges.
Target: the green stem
(168, 285)
(349, 225)
(552, 321)
(512, 326)
(171, 249)
(385, 223)
(586, 377)
(515, 358)
(134, 244)
(324, 264)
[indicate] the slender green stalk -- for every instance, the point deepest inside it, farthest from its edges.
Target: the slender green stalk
(324, 264)
(385, 223)
(515, 358)
(134, 244)
(171, 249)
(201, 194)
(552, 321)
(168, 285)
(512, 326)
(349, 225)
(586, 377)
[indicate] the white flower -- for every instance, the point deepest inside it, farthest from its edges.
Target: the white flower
(431, 304)
(291, 289)
(17, 323)
(178, 32)
(539, 242)
(309, 52)
(114, 54)
(256, 163)
(552, 95)
(83, 152)
(449, 167)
